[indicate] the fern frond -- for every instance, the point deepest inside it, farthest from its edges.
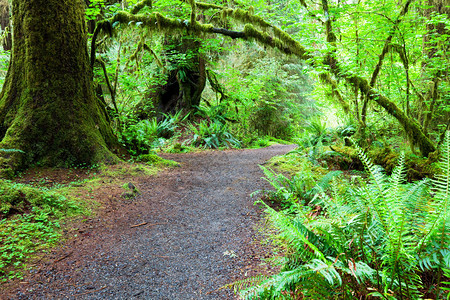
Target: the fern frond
(292, 233)
(246, 283)
(439, 213)
(377, 191)
(305, 280)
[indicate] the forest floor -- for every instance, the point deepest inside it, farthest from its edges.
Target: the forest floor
(192, 230)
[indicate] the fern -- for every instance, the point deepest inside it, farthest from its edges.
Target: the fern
(375, 237)
(433, 246)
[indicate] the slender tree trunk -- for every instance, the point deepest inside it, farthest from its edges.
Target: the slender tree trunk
(48, 107)
(5, 24)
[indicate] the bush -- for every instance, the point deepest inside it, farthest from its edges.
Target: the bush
(376, 237)
(212, 135)
(139, 137)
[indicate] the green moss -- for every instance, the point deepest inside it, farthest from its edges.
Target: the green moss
(416, 167)
(205, 6)
(20, 198)
(291, 163)
(179, 148)
(140, 5)
(153, 159)
(131, 191)
(125, 170)
(47, 107)
(29, 221)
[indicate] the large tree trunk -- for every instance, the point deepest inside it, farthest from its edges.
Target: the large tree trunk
(186, 81)
(47, 106)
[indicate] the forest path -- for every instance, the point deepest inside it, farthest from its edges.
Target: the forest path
(198, 236)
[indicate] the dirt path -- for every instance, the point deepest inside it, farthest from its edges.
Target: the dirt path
(198, 236)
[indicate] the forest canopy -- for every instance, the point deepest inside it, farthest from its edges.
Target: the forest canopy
(366, 60)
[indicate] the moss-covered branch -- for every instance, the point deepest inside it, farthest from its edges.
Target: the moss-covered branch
(386, 47)
(157, 22)
(104, 26)
(326, 78)
(140, 5)
(206, 6)
(387, 43)
(412, 128)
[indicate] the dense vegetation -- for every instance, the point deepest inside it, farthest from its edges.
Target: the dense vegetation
(177, 76)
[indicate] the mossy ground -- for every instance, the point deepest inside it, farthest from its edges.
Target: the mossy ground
(344, 158)
(155, 160)
(30, 221)
(42, 205)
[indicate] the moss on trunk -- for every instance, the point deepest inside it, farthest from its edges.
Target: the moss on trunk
(47, 106)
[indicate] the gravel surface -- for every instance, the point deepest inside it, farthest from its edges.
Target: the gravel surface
(197, 238)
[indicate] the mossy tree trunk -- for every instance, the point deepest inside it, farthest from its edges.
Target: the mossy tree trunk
(186, 76)
(48, 107)
(185, 73)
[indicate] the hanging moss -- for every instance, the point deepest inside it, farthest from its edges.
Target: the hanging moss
(267, 40)
(102, 26)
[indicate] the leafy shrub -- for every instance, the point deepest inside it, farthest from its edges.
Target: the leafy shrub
(300, 188)
(142, 136)
(166, 128)
(217, 113)
(212, 135)
(139, 137)
(377, 237)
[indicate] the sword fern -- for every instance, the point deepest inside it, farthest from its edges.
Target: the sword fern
(375, 237)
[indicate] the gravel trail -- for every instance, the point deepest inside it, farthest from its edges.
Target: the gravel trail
(197, 237)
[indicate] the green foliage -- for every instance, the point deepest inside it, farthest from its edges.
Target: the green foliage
(33, 223)
(166, 128)
(139, 137)
(153, 159)
(264, 95)
(4, 63)
(212, 135)
(375, 236)
(143, 136)
(299, 189)
(217, 113)
(94, 9)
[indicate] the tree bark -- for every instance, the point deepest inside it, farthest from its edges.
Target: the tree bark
(186, 79)
(5, 24)
(48, 108)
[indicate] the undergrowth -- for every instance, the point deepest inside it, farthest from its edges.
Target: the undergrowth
(370, 236)
(30, 221)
